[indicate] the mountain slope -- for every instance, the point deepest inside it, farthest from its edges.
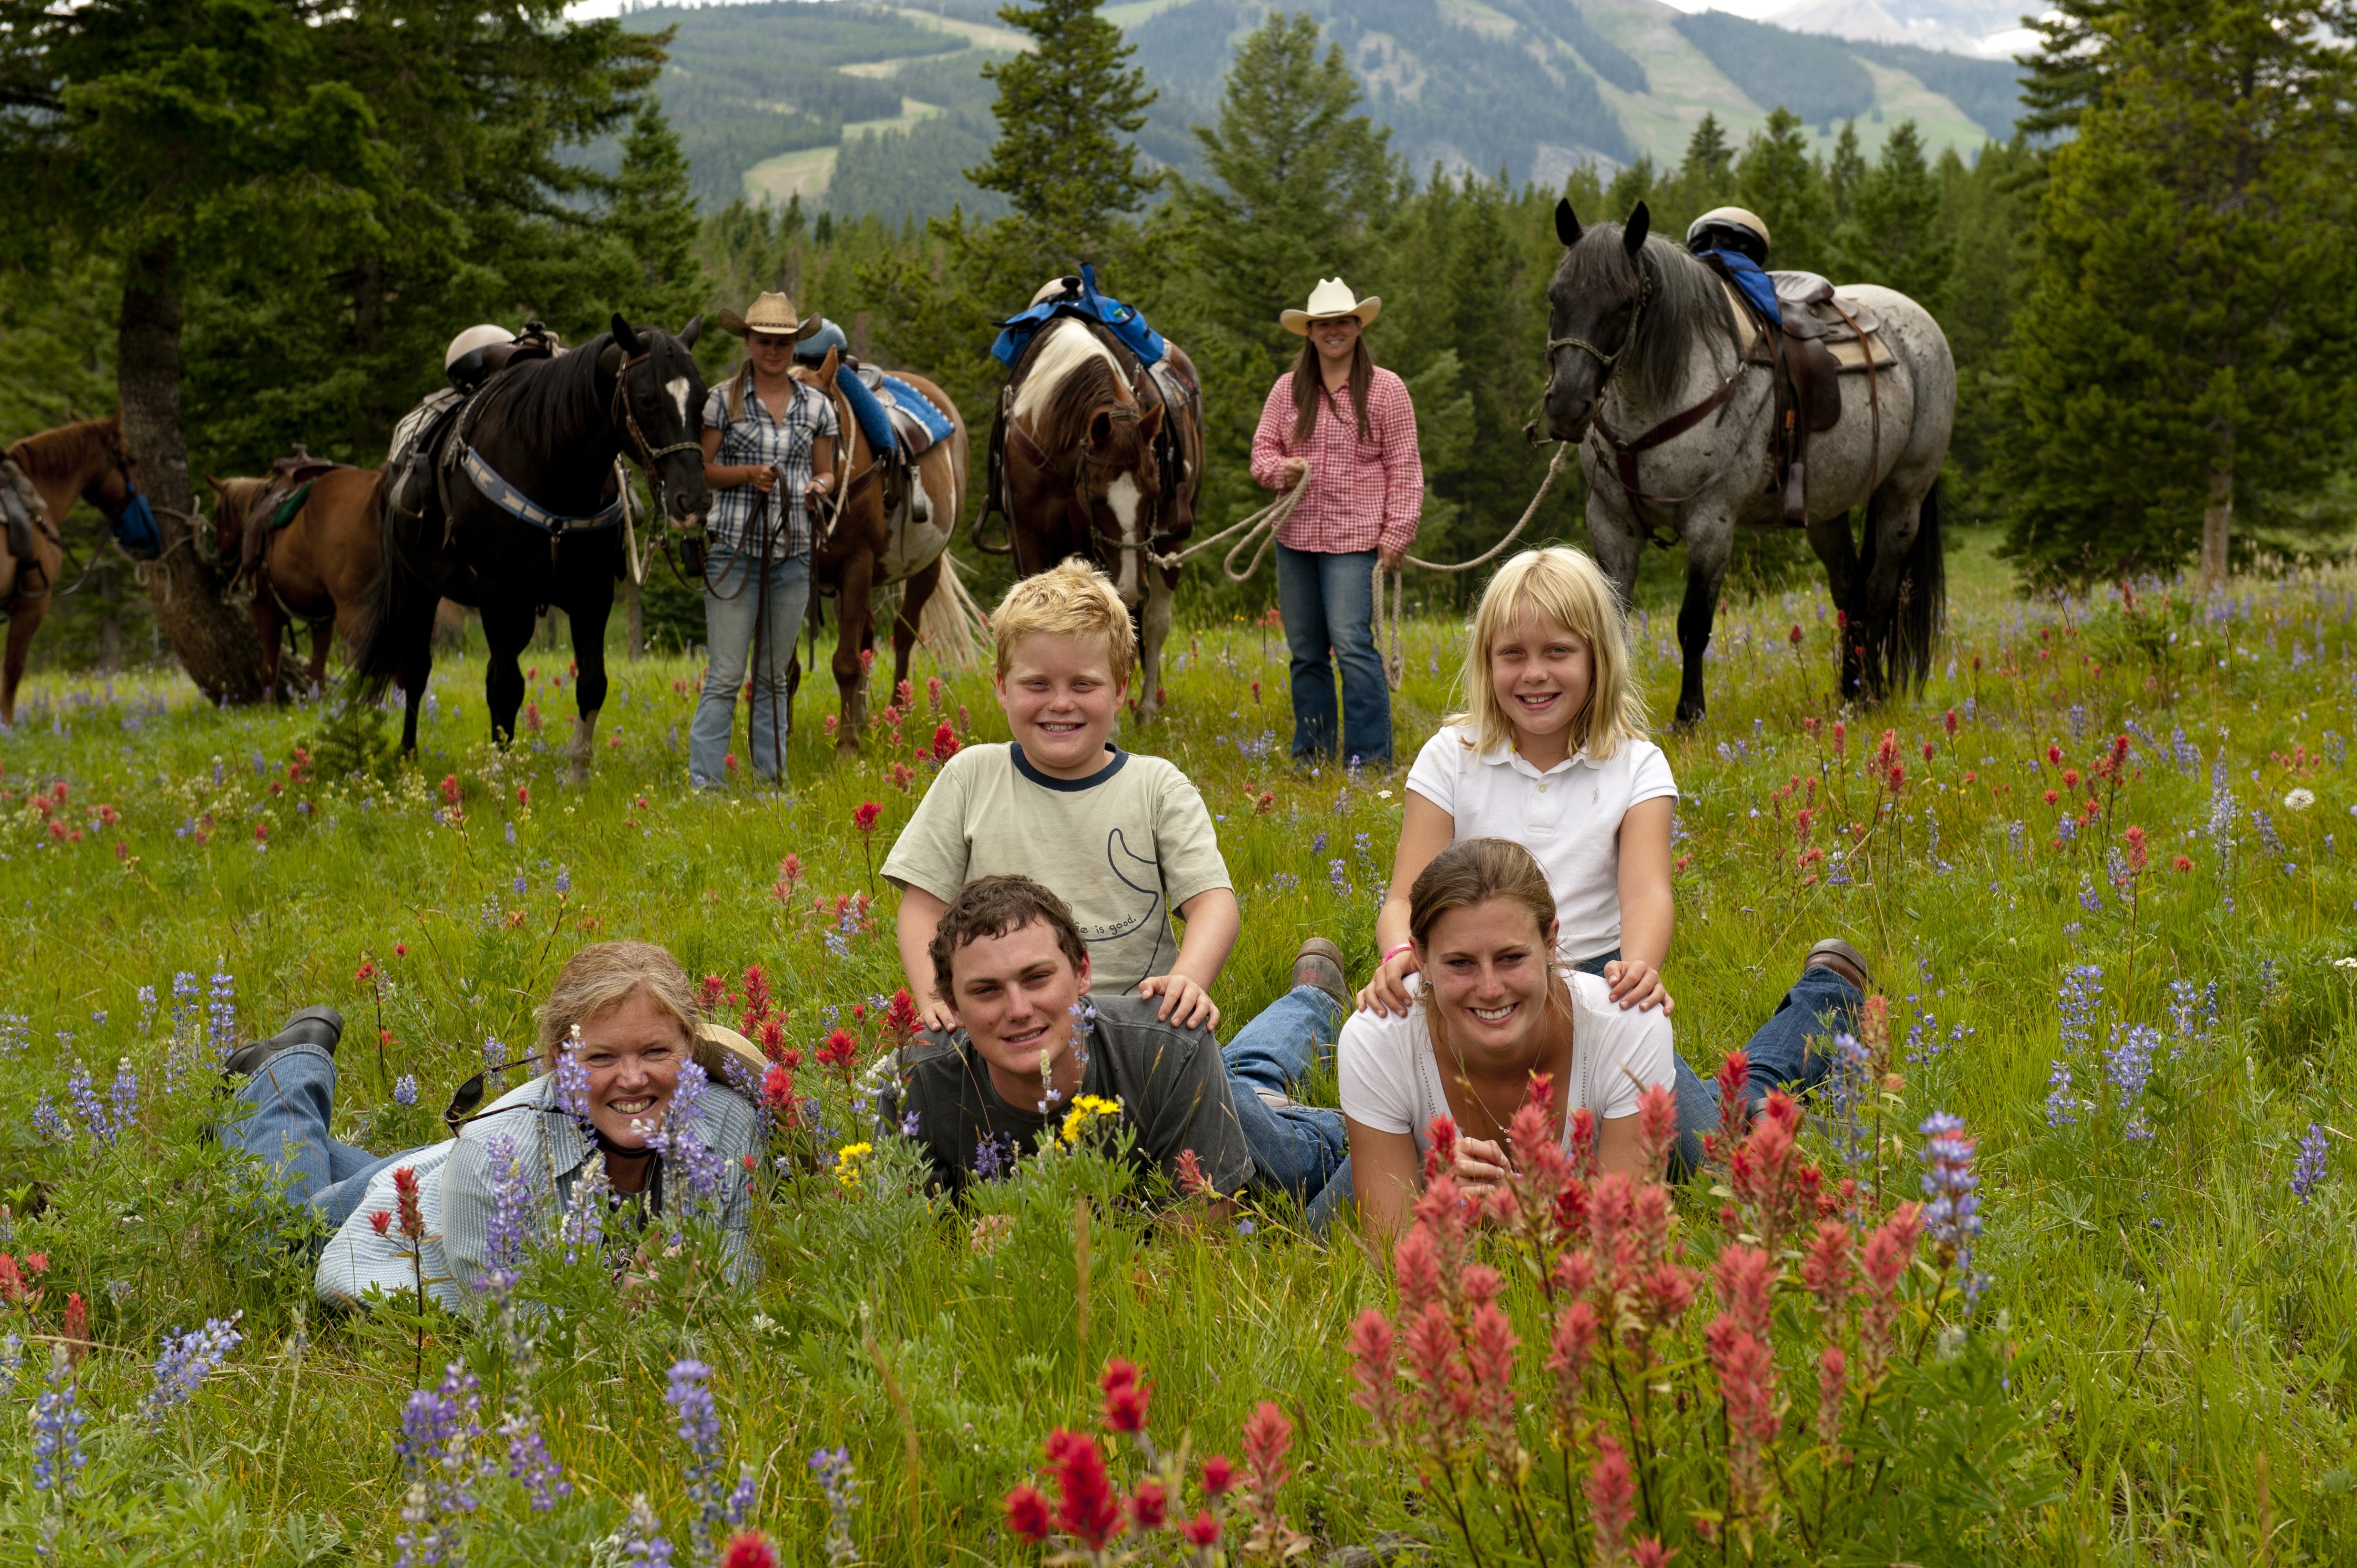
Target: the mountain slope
(878, 108)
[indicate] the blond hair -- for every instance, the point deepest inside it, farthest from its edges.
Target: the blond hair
(1566, 588)
(606, 974)
(1070, 599)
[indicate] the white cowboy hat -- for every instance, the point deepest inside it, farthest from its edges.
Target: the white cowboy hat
(773, 316)
(1331, 298)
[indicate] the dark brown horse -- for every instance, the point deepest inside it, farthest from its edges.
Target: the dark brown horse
(1085, 474)
(867, 548)
(87, 458)
(321, 567)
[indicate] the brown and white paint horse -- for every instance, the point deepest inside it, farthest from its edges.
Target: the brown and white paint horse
(1083, 475)
(86, 459)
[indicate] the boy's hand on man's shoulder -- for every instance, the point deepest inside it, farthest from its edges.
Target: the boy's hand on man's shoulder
(1184, 1003)
(934, 1013)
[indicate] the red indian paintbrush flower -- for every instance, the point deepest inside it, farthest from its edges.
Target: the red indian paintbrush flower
(1027, 1515)
(863, 817)
(1887, 1252)
(1742, 1278)
(1124, 1397)
(1828, 1268)
(1833, 1388)
(413, 1213)
(75, 1329)
(1575, 1347)
(1201, 1530)
(1747, 1392)
(12, 1284)
(750, 1550)
(1374, 1360)
(1489, 1359)
(1649, 1553)
(382, 1221)
(1268, 1439)
(1611, 1501)
(1440, 1136)
(1150, 1505)
(1415, 1264)
(1657, 1128)
(1219, 1475)
(1087, 1511)
(1438, 1373)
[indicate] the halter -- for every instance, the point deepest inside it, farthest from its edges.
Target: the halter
(1611, 362)
(651, 453)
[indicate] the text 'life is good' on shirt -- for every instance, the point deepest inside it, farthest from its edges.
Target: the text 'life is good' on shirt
(1569, 817)
(1122, 848)
(1172, 1082)
(1390, 1078)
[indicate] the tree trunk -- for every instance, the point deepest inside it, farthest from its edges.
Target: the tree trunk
(216, 644)
(2218, 517)
(634, 617)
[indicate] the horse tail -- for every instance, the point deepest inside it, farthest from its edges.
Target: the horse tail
(1923, 595)
(376, 662)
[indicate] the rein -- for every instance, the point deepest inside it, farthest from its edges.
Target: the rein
(1611, 362)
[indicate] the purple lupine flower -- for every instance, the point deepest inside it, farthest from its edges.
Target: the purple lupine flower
(146, 1008)
(681, 1142)
(519, 885)
(1849, 1090)
(1318, 844)
(15, 1034)
(58, 1417)
(530, 1461)
(573, 1081)
(2061, 1110)
(188, 1361)
(994, 1156)
(743, 1495)
(404, 1091)
(911, 1125)
(439, 1432)
(2129, 1066)
(642, 1540)
(690, 1397)
(832, 1468)
(506, 1234)
(2311, 1166)
(221, 1016)
(2083, 986)
(583, 1229)
(1951, 1217)
(49, 1123)
(1338, 877)
(12, 1361)
(87, 1106)
(563, 882)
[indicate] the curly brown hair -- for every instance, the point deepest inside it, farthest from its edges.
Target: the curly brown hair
(992, 907)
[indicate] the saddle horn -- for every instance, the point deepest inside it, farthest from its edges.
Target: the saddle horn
(1640, 223)
(1567, 224)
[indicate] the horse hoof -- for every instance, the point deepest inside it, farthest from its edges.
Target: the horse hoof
(846, 750)
(577, 774)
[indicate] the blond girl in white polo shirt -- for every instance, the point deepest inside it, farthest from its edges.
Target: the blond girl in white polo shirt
(1551, 753)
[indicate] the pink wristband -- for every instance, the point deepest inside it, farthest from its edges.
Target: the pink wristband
(1394, 952)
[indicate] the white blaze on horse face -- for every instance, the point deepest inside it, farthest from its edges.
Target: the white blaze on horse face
(677, 387)
(1122, 498)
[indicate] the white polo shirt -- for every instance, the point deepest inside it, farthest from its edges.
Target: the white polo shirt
(1567, 817)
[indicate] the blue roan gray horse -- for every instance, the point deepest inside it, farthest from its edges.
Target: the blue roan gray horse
(1643, 336)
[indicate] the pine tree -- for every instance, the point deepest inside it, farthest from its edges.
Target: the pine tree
(1066, 112)
(653, 218)
(2182, 349)
(1778, 179)
(1847, 169)
(1301, 174)
(1893, 235)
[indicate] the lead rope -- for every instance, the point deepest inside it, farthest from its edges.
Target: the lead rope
(1390, 641)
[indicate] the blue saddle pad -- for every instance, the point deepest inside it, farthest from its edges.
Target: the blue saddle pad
(920, 407)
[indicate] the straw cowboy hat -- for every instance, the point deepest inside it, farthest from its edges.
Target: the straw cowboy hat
(772, 315)
(1331, 298)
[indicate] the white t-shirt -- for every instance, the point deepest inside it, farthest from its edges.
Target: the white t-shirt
(1391, 1080)
(1567, 817)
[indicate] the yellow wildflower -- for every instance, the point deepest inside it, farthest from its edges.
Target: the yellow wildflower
(846, 1164)
(1087, 1107)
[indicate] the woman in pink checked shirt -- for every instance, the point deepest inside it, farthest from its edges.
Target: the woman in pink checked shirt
(1349, 431)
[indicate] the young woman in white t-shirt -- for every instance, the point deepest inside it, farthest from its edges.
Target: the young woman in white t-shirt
(1551, 753)
(1492, 1009)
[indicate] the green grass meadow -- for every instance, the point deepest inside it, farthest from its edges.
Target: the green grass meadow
(2173, 1320)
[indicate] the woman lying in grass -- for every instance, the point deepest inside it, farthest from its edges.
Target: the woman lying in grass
(1496, 1009)
(620, 1049)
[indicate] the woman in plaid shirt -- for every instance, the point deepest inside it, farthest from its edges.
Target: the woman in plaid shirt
(1350, 430)
(769, 451)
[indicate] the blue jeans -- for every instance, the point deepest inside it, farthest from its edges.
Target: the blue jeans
(729, 616)
(1819, 1006)
(1328, 602)
(293, 1100)
(1295, 1149)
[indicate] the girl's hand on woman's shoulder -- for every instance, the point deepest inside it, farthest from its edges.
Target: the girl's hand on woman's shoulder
(1385, 992)
(1636, 983)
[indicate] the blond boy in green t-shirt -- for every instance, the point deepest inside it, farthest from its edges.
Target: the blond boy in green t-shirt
(1123, 839)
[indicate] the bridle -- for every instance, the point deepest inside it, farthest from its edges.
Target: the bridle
(648, 454)
(1076, 496)
(1611, 362)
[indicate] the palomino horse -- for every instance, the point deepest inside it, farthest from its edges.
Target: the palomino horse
(321, 567)
(866, 549)
(1083, 477)
(528, 476)
(1645, 341)
(88, 459)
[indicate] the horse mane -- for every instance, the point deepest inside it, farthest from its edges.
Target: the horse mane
(237, 499)
(1686, 298)
(1069, 376)
(555, 393)
(68, 449)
